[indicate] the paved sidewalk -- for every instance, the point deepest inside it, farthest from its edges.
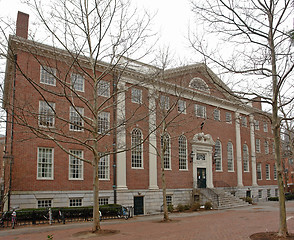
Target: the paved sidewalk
(231, 224)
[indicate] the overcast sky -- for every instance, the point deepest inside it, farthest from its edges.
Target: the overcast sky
(171, 21)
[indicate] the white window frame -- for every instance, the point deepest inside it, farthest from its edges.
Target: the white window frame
(75, 202)
(76, 164)
(103, 122)
(77, 82)
(136, 96)
(169, 200)
(275, 173)
(256, 124)
(137, 149)
(257, 145)
(44, 203)
(244, 121)
(183, 156)
(228, 117)
(46, 114)
(265, 127)
(245, 158)
(266, 147)
(230, 153)
(76, 119)
(200, 111)
(182, 106)
(48, 75)
(45, 161)
(164, 102)
(218, 156)
(267, 172)
(167, 153)
(103, 201)
(103, 88)
(104, 168)
(260, 193)
(259, 171)
(216, 114)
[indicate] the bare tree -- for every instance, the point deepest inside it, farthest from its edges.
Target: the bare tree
(253, 40)
(86, 62)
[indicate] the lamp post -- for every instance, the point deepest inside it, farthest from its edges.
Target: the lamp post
(9, 158)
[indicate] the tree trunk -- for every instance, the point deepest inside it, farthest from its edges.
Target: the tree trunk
(96, 220)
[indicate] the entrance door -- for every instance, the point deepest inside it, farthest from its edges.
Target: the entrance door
(138, 205)
(201, 177)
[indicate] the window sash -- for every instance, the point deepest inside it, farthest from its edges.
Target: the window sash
(103, 89)
(75, 202)
(77, 82)
(267, 172)
(228, 117)
(230, 157)
(200, 111)
(218, 156)
(257, 143)
(216, 114)
(76, 118)
(164, 102)
(182, 153)
(103, 122)
(259, 171)
(245, 158)
(47, 75)
(76, 165)
(103, 168)
(46, 114)
(181, 106)
(167, 157)
(136, 95)
(45, 163)
(137, 149)
(44, 203)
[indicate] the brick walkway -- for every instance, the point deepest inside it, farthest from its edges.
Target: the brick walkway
(229, 224)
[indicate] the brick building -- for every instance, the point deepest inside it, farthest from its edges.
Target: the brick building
(214, 140)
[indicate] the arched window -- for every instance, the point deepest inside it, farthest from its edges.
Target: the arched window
(218, 155)
(245, 158)
(182, 152)
(199, 84)
(230, 157)
(165, 146)
(137, 149)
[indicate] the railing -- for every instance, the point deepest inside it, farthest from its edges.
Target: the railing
(30, 218)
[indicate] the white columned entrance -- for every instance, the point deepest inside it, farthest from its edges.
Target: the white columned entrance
(202, 145)
(253, 155)
(239, 151)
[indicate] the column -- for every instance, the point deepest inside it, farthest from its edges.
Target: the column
(239, 151)
(152, 141)
(121, 139)
(253, 155)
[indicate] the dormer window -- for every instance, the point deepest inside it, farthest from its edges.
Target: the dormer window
(199, 84)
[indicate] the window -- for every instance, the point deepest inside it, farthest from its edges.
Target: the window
(46, 114)
(137, 149)
(181, 106)
(228, 117)
(103, 201)
(77, 82)
(76, 165)
(230, 157)
(165, 146)
(266, 147)
(103, 122)
(257, 145)
(45, 163)
(244, 121)
(200, 111)
(164, 102)
(216, 114)
(182, 152)
(218, 155)
(265, 127)
(199, 84)
(103, 89)
(103, 171)
(136, 95)
(47, 75)
(256, 124)
(201, 156)
(75, 202)
(259, 193)
(276, 192)
(268, 193)
(44, 203)
(258, 171)
(275, 172)
(274, 150)
(267, 172)
(245, 158)
(76, 118)
(169, 200)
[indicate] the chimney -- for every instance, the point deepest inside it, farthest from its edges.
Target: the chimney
(256, 103)
(22, 25)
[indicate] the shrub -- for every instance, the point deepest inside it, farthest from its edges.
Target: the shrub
(187, 207)
(273, 199)
(195, 206)
(180, 207)
(170, 208)
(208, 206)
